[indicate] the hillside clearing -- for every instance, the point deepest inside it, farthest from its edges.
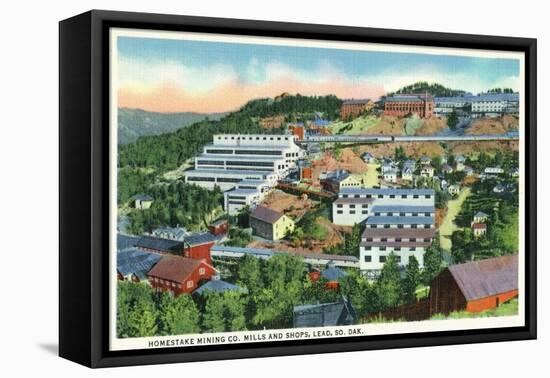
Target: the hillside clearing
(448, 226)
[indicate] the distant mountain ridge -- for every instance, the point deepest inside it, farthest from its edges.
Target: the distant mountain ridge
(134, 123)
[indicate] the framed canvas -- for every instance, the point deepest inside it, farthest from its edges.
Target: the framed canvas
(235, 188)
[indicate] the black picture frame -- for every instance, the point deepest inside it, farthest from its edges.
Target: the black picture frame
(84, 193)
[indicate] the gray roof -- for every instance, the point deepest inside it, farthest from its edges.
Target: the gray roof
(487, 97)
(159, 244)
(465, 98)
(333, 274)
(408, 98)
(216, 285)
(266, 214)
(480, 279)
(142, 197)
(402, 209)
(125, 241)
(262, 252)
(399, 220)
(227, 172)
(245, 251)
(175, 233)
(324, 314)
(135, 261)
(199, 238)
(387, 191)
(240, 157)
(481, 214)
(241, 191)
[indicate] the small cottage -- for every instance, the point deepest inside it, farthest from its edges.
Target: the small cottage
(270, 224)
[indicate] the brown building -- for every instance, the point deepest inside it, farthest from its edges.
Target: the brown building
(219, 227)
(402, 105)
(474, 286)
(355, 108)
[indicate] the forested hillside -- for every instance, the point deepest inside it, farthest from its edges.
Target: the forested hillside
(142, 163)
(433, 89)
(133, 123)
(168, 151)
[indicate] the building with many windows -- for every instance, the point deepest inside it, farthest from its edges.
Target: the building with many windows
(404, 104)
(399, 221)
(446, 105)
(235, 157)
(246, 193)
(495, 104)
(354, 205)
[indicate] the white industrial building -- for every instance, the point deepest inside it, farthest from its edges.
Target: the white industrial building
(484, 104)
(353, 205)
(495, 104)
(235, 157)
(445, 105)
(246, 193)
(401, 221)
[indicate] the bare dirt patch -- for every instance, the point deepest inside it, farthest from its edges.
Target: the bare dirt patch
(412, 149)
(289, 204)
(334, 237)
(388, 125)
(348, 160)
(474, 148)
(496, 125)
(431, 126)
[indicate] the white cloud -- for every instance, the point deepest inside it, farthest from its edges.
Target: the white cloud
(138, 73)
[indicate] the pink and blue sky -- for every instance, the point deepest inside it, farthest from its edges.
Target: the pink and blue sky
(165, 75)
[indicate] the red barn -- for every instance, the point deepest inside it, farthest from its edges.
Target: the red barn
(474, 286)
(198, 245)
(179, 275)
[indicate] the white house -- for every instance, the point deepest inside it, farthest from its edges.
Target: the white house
(459, 162)
(493, 171)
(427, 171)
(368, 158)
(453, 190)
(390, 176)
(407, 174)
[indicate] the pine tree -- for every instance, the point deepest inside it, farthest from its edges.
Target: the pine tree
(388, 286)
(432, 261)
(410, 281)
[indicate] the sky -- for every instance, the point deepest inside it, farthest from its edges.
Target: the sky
(167, 75)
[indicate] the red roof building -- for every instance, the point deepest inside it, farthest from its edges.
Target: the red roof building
(474, 286)
(179, 275)
(219, 227)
